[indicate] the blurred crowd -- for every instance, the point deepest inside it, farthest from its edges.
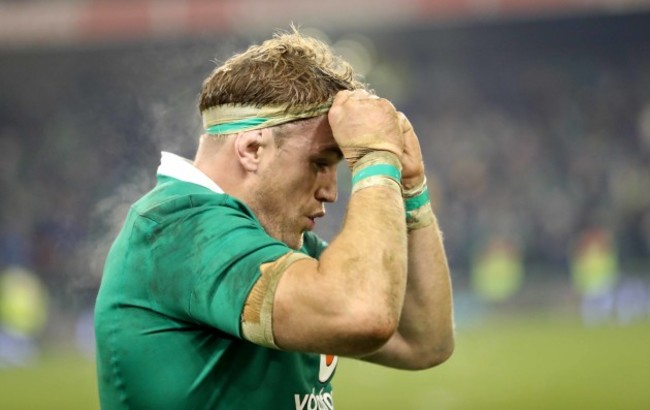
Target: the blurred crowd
(541, 151)
(534, 135)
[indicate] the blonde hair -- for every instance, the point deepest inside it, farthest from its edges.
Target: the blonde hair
(289, 69)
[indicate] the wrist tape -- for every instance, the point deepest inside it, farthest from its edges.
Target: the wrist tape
(377, 168)
(418, 207)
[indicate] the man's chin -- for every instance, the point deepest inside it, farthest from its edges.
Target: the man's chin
(297, 243)
(294, 241)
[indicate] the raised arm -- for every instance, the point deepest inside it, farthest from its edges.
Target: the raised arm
(425, 334)
(349, 302)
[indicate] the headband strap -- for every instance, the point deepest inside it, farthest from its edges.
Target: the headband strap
(232, 118)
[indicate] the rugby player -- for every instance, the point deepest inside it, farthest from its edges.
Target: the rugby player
(216, 293)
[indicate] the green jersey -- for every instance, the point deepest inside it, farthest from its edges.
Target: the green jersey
(168, 313)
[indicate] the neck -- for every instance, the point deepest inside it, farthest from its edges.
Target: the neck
(215, 158)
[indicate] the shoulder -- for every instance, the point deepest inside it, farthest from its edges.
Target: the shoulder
(172, 198)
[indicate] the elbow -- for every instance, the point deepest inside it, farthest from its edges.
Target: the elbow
(433, 355)
(380, 332)
(440, 354)
(370, 330)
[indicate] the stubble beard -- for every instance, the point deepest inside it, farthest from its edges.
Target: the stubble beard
(268, 206)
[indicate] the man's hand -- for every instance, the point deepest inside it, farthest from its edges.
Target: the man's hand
(412, 163)
(362, 122)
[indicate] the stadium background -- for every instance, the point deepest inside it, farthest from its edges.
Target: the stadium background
(534, 117)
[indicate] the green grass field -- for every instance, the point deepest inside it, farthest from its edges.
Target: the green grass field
(515, 364)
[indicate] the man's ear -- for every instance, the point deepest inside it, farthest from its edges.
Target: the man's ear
(248, 147)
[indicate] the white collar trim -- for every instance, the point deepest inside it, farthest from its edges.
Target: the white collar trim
(175, 166)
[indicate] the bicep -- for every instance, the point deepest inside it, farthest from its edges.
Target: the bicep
(305, 311)
(284, 308)
(308, 310)
(258, 313)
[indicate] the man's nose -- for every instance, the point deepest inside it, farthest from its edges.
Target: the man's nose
(327, 189)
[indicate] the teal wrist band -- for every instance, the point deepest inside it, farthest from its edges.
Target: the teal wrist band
(386, 170)
(417, 201)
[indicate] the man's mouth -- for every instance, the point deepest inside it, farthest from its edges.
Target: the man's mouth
(312, 219)
(318, 214)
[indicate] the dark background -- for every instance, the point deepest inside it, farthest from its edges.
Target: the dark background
(534, 131)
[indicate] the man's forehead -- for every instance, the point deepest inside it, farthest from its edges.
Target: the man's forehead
(323, 142)
(317, 133)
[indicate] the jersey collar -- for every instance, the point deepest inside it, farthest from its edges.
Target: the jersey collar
(175, 166)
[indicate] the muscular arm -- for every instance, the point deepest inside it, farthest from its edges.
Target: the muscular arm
(350, 300)
(425, 334)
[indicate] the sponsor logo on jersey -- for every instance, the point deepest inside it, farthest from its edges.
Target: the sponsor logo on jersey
(327, 366)
(314, 401)
(320, 400)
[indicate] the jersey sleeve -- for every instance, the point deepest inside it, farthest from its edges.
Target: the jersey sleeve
(200, 260)
(227, 266)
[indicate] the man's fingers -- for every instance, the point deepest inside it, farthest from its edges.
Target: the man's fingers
(364, 122)
(404, 123)
(345, 95)
(341, 96)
